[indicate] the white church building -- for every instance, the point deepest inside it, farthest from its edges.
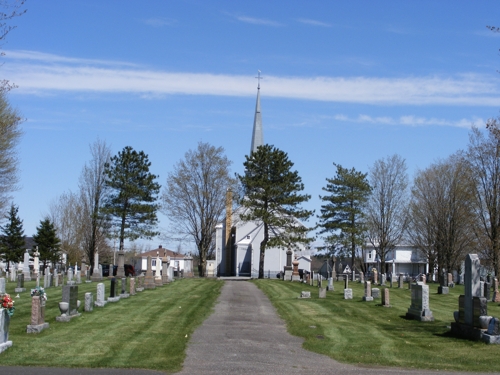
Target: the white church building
(237, 243)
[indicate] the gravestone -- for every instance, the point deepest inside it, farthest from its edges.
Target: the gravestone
(26, 266)
(164, 272)
(37, 323)
(70, 296)
(158, 279)
(368, 292)
(496, 293)
(96, 273)
(346, 282)
(140, 283)
(423, 279)
(374, 276)
(376, 293)
(20, 284)
(385, 298)
(322, 292)
(149, 281)
(100, 298)
(443, 281)
(132, 286)
(89, 302)
(124, 293)
(120, 271)
(481, 288)
(487, 291)
(348, 293)
(330, 286)
(5, 343)
(451, 283)
(112, 291)
(287, 270)
(295, 272)
(311, 279)
(70, 280)
(400, 281)
(391, 281)
(382, 279)
(472, 307)
(361, 277)
(305, 294)
(419, 309)
(2, 285)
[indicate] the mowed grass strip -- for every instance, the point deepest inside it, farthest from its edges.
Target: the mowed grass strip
(145, 331)
(365, 333)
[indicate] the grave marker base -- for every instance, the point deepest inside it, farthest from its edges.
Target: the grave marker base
(20, 290)
(66, 318)
(4, 346)
(36, 328)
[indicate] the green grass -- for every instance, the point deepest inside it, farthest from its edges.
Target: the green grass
(365, 333)
(146, 331)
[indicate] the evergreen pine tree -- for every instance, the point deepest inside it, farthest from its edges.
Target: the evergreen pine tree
(342, 215)
(12, 237)
(131, 203)
(48, 242)
(272, 197)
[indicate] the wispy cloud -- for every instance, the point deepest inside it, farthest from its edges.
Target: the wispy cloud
(34, 74)
(313, 22)
(160, 21)
(256, 21)
(411, 120)
(51, 58)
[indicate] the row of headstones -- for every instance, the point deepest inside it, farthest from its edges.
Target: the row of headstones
(419, 308)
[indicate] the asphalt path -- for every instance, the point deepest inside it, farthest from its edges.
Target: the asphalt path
(244, 335)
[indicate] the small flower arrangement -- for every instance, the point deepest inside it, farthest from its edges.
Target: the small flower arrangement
(6, 303)
(39, 291)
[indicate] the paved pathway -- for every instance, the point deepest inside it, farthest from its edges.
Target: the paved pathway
(244, 335)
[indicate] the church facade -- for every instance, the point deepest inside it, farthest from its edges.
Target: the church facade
(237, 243)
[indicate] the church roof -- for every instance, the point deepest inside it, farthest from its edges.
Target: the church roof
(257, 134)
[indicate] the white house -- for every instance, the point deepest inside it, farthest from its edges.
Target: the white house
(178, 261)
(406, 259)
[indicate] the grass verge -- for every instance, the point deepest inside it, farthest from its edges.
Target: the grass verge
(145, 331)
(365, 333)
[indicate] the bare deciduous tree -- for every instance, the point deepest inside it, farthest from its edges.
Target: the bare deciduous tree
(387, 208)
(80, 226)
(10, 133)
(93, 191)
(483, 156)
(195, 196)
(442, 224)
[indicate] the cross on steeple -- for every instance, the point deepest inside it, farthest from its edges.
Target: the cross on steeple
(258, 79)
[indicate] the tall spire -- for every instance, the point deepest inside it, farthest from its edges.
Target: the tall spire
(257, 135)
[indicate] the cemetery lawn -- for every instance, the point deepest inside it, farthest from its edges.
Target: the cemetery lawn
(146, 331)
(365, 333)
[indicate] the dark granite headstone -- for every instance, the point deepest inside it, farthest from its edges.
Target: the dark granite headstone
(70, 295)
(112, 289)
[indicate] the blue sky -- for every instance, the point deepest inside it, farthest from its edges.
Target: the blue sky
(344, 82)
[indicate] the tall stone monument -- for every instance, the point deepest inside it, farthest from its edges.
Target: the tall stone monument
(96, 273)
(471, 306)
(120, 271)
(26, 266)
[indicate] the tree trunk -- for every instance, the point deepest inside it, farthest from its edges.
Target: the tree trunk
(263, 251)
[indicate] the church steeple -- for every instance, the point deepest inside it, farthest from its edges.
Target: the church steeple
(257, 135)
